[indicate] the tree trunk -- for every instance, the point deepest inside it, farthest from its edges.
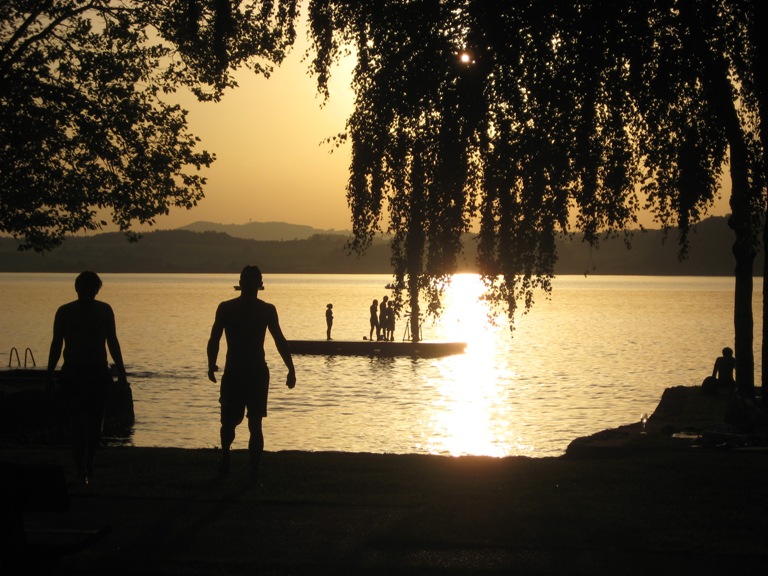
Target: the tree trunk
(744, 252)
(764, 354)
(413, 296)
(717, 84)
(742, 320)
(760, 41)
(415, 241)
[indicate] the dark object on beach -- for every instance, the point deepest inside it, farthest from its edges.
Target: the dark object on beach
(120, 416)
(30, 414)
(742, 412)
(36, 547)
(709, 385)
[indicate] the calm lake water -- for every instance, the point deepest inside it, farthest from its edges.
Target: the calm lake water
(596, 355)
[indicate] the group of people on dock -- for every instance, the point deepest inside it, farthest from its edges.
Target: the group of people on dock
(382, 320)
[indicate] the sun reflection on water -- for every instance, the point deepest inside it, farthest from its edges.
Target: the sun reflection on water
(471, 405)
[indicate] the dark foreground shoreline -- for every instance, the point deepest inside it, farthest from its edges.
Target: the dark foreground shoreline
(620, 502)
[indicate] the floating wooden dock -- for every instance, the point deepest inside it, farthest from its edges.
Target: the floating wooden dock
(376, 348)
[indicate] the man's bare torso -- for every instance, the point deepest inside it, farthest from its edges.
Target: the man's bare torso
(245, 322)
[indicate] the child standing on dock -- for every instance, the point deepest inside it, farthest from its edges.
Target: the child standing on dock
(328, 321)
(374, 310)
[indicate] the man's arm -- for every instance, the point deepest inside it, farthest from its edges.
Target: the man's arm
(113, 345)
(57, 344)
(213, 345)
(282, 347)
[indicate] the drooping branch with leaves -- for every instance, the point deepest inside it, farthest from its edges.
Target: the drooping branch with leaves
(526, 120)
(496, 116)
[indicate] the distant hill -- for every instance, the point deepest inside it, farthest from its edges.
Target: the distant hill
(709, 253)
(175, 251)
(182, 251)
(261, 230)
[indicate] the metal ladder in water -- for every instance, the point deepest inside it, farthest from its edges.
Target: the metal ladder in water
(27, 356)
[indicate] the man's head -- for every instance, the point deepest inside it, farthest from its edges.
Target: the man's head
(250, 278)
(87, 285)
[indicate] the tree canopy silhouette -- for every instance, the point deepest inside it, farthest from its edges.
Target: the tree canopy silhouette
(531, 119)
(517, 120)
(85, 124)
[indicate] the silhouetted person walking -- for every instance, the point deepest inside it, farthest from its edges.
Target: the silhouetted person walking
(328, 320)
(85, 329)
(374, 310)
(245, 384)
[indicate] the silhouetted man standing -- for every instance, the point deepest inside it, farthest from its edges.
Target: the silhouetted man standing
(245, 384)
(381, 330)
(82, 328)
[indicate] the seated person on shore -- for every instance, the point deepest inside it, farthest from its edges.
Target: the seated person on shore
(723, 370)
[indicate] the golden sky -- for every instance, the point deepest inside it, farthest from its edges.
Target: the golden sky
(272, 164)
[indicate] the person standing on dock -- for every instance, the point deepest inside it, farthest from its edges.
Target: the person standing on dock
(381, 332)
(328, 321)
(245, 384)
(387, 321)
(82, 329)
(374, 310)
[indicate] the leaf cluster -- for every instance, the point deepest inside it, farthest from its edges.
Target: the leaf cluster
(525, 120)
(86, 127)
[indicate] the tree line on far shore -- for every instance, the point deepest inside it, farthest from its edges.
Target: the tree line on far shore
(184, 251)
